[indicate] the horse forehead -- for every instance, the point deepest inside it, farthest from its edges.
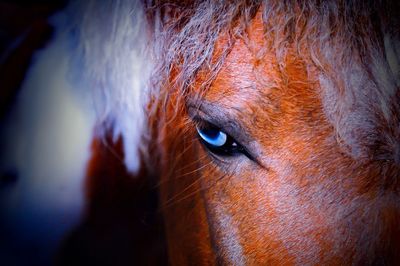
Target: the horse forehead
(244, 76)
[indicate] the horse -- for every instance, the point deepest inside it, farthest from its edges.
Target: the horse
(273, 131)
(255, 132)
(281, 133)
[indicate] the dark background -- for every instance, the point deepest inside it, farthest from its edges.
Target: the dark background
(122, 223)
(23, 30)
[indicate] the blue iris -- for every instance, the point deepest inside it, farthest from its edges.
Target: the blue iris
(213, 136)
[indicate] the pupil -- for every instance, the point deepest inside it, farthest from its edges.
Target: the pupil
(212, 133)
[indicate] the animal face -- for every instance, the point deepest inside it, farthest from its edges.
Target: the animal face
(273, 181)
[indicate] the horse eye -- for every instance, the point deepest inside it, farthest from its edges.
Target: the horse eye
(217, 141)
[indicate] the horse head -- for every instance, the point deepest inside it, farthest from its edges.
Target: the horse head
(278, 131)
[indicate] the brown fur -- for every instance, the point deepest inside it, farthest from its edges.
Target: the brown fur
(312, 86)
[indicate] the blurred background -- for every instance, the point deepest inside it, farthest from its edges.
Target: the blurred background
(66, 198)
(45, 133)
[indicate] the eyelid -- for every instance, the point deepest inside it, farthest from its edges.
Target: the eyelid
(229, 127)
(217, 114)
(201, 122)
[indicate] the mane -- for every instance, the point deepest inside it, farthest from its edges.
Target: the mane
(113, 54)
(354, 45)
(129, 47)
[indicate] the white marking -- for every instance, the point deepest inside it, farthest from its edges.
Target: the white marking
(117, 66)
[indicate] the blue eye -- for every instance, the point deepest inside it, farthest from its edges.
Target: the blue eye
(217, 141)
(213, 136)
